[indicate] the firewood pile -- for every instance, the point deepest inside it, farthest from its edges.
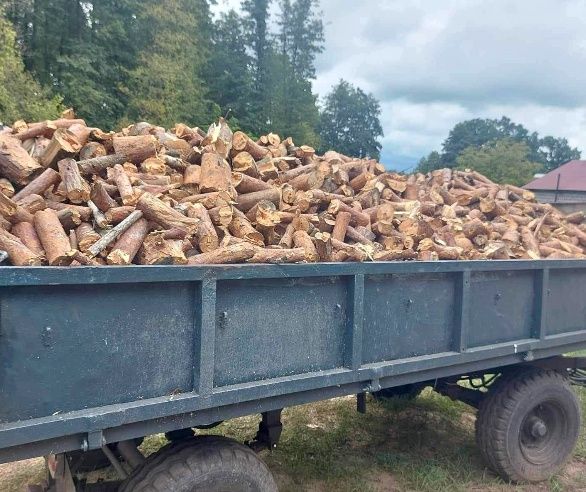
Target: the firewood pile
(75, 195)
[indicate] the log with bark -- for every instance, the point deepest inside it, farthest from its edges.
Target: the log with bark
(150, 196)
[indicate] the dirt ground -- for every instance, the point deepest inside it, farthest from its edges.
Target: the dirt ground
(423, 445)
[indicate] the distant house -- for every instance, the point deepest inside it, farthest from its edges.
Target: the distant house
(564, 187)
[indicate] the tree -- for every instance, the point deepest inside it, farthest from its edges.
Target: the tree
(228, 73)
(555, 151)
(166, 85)
(503, 161)
(256, 18)
(350, 122)
(549, 151)
(430, 163)
(21, 97)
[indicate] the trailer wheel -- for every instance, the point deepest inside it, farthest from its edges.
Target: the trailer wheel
(204, 463)
(528, 425)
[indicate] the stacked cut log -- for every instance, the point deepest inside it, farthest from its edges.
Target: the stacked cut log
(71, 195)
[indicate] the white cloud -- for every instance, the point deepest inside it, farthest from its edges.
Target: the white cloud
(433, 63)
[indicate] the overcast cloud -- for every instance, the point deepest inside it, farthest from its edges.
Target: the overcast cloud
(435, 63)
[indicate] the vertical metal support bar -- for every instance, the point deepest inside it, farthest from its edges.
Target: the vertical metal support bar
(463, 311)
(206, 302)
(541, 296)
(355, 321)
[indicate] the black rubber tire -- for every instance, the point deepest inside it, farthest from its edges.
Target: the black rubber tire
(507, 420)
(204, 463)
(407, 392)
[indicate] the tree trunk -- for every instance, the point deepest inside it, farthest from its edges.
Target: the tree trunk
(25, 231)
(137, 148)
(18, 253)
(159, 212)
(235, 253)
(129, 243)
(63, 144)
(76, 188)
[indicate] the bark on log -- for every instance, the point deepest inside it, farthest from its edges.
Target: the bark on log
(342, 222)
(303, 240)
(136, 148)
(99, 164)
(241, 227)
(101, 198)
(12, 211)
(235, 253)
(18, 253)
(69, 219)
(116, 215)
(76, 188)
(125, 189)
(110, 236)
(207, 237)
(84, 212)
(159, 212)
(278, 256)
(25, 231)
(242, 143)
(246, 202)
(15, 163)
(127, 246)
(47, 179)
(53, 238)
(246, 184)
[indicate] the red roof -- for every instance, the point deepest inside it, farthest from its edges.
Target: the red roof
(572, 177)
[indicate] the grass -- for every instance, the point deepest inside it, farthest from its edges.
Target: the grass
(422, 445)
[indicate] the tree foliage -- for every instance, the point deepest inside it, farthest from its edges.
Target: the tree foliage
(549, 151)
(350, 122)
(503, 161)
(20, 95)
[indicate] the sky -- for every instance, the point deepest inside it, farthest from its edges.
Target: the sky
(433, 63)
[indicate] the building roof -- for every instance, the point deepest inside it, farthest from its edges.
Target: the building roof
(572, 177)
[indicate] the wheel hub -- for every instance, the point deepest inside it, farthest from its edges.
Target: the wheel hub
(538, 428)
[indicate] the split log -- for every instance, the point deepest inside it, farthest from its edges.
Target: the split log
(124, 186)
(69, 218)
(76, 188)
(18, 253)
(6, 187)
(127, 246)
(159, 212)
(98, 216)
(530, 243)
(235, 253)
(101, 198)
(113, 234)
(53, 238)
(12, 211)
(63, 144)
(32, 203)
(192, 178)
(207, 237)
(215, 174)
(15, 163)
(241, 227)
(244, 163)
(302, 240)
(221, 216)
(86, 236)
(158, 251)
(351, 252)
(323, 245)
(358, 217)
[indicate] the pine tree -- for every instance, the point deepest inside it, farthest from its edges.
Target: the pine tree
(166, 86)
(21, 97)
(228, 73)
